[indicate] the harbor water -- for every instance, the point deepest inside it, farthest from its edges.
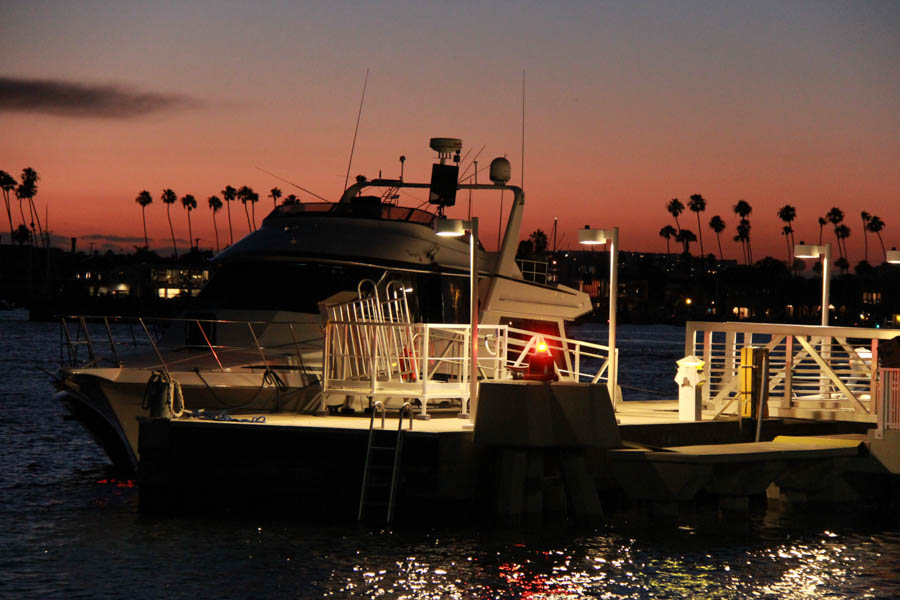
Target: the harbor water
(68, 529)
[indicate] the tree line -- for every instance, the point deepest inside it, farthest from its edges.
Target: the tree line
(244, 194)
(787, 214)
(30, 229)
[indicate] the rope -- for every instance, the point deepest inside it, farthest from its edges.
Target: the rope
(162, 388)
(223, 416)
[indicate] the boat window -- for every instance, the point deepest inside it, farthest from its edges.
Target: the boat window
(369, 207)
(281, 285)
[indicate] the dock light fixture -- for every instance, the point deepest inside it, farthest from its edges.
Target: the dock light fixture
(457, 228)
(802, 250)
(893, 256)
(592, 237)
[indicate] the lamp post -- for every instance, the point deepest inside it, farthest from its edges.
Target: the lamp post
(591, 237)
(893, 256)
(802, 250)
(457, 228)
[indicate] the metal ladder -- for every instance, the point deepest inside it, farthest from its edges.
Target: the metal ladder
(397, 448)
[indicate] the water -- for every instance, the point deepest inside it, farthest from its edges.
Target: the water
(69, 531)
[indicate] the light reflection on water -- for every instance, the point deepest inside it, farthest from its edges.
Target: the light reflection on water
(70, 531)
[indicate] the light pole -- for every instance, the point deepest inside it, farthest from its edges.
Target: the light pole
(590, 237)
(457, 228)
(802, 250)
(893, 256)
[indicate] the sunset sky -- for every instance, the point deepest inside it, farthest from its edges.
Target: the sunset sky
(627, 105)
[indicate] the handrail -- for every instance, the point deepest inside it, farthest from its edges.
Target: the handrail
(815, 371)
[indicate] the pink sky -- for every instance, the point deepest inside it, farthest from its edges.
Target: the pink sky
(627, 105)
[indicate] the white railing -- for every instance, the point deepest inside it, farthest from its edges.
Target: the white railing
(888, 401)
(814, 371)
(431, 361)
(425, 361)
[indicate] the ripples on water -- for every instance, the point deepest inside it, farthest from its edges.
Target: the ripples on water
(70, 531)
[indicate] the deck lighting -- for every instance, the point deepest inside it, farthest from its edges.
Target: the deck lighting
(591, 237)
(457, 228)
(893, 256)
(802, 250)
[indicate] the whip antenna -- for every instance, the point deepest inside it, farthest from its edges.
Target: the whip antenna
(355, 131)
(299, 187)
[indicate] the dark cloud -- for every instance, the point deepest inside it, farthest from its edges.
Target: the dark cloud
(71, 99)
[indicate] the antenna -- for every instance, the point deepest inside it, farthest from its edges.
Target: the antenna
(355, 131)
(523, 128)
(299, 187)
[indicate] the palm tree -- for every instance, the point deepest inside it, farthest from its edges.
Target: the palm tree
(254, 198)
(697, 204)
(743, 236)
(676, 208)
(215, 205)
(144, 199)
(788, 213)
(835, 216)
(875, 226)
(291, 199)
(685, 237)
(168, 197)
(244, 194)
(718, 225)
(842, 232)
(865, 221)
(743, 210)
(822, 223)
(27, 190)
(228, 195)
(667, 232)
(787, 231)
(275, 194)
(8, 184)
(189, 203)
(539, 240)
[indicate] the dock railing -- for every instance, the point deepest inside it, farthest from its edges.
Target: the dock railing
(888, 401)
(814, 371)
(429, 361)
(208, 344)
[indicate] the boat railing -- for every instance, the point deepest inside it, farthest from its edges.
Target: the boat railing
(814, 371)
(88, 341)
(574, 360)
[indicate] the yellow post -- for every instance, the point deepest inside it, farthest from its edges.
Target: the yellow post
(753, 385)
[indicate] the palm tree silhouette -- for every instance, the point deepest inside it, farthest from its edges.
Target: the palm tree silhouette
(8, 184)
(718, 225)
(228, 195)
(244, 194)
(697, 204)
(788, 213)
(875, 226)
(27, 190)
(291, 199)
(842, 232)
(254, 198)
(168, 197)
(667, 232)
(275, 194)
(215, 205)
(189, 203)
(822, 223)
(865, 221)
(835, 216)
(685, 237)
(144, 199)
(787, 231)
(539, 240)
(676, 208)
(743, 210)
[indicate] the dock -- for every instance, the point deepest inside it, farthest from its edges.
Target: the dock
(561, 452)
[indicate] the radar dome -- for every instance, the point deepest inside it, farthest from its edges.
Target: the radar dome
(500, 171)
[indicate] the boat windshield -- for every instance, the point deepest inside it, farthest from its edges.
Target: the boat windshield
(364, 209)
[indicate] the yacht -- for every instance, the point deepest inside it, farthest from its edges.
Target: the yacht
(253, 343)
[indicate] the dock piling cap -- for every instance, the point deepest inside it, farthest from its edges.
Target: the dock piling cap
(690, 361)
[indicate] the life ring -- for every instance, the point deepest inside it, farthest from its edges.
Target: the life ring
(408, 366)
